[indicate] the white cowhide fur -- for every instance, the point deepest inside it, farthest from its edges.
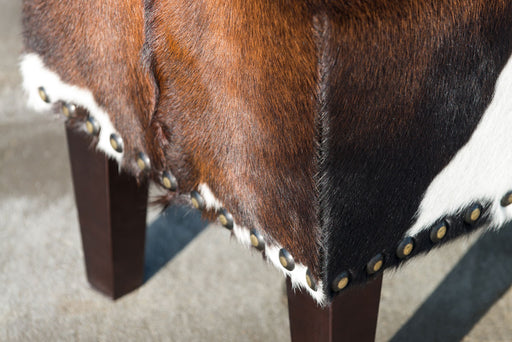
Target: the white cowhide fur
(481, 170)
(36, 74)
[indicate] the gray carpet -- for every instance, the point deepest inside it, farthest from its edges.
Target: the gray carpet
(201, 285)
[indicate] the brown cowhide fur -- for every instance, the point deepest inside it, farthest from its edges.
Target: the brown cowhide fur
(238, 84)
(97, 45)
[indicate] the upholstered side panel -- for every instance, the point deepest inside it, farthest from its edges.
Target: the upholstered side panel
(237, 95)
(406, 87)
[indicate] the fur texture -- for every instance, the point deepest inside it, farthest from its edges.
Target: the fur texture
(330, 127)
(93, 46)
(36, 74)
(406, 85)
(479, 170)
(297, 275)
(238, 107)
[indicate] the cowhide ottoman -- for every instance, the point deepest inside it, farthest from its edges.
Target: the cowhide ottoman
(339, 138)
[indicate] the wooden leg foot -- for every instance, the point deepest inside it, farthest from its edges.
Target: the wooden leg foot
(112, 215)
(351, 317)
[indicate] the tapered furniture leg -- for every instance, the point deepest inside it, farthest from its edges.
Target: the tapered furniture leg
(352, 317)
(112, 215)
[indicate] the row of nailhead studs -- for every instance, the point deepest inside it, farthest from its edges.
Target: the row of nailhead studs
(169, 181)
(92, 126)
(406, 246)
(257, 240)
(226, 219)
(404, 249)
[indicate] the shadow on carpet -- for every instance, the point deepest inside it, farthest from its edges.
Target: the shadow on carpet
(471, 288)
(172, 231)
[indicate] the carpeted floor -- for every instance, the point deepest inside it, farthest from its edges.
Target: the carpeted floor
(201, 286)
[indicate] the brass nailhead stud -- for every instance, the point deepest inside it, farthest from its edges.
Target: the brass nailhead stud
(286, 259)
(226, 219)
(143, 161)
(197, 200)
(116, 142)
(310, 280)
(169, 181)
(257, 240)
(405, 247)
(92, 125)
(375, 264)
(68, 109)
(43, 95)
(438, 232)
(340, 282)
(507, 199)
(473, 213)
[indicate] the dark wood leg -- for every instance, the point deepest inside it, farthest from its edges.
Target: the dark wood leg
(351, 317)
(112, 215)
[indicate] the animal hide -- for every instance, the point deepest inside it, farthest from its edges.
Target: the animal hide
(339, 137)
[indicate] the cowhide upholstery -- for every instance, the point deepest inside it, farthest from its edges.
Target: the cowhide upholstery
(340, 138)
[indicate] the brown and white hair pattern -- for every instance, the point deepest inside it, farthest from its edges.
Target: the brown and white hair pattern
(339, 138)
(34, 71)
